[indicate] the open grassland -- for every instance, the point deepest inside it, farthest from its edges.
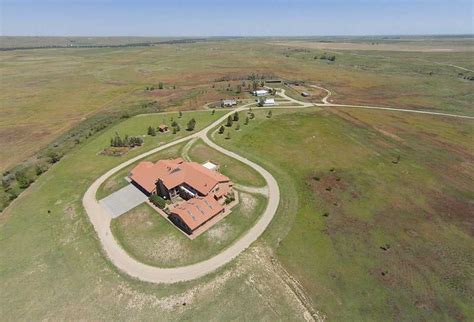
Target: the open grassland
(153, 240)
(46, 92)
(371, 236)
(52, 264)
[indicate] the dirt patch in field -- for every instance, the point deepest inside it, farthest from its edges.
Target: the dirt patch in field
(328, 186)
(454, 210)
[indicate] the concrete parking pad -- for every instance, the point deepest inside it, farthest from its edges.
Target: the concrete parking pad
(123, 200)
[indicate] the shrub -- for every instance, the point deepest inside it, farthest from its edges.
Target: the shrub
(158, 201)
(229, 198)
(23, 179)
(221, 129)
(53, 156)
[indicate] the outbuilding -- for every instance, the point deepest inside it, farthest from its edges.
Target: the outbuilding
(228, 103)
(267, 102)
(163, 128)
(260, 92)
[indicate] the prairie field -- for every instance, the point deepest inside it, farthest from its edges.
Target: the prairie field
(375, 215)
(46, 92)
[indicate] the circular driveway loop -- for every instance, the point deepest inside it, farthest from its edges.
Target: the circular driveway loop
(101, 222)
(101, 219)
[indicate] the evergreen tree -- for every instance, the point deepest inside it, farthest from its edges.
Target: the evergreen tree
(237, 127)
(221, 129)
(246, 120)
(151, 131)
(174, 130)
(227, 137)
(213, 112)
(160, 85)
(229, 121)
(236, 117)
(269, 114)
(180, 114)
(191, 124)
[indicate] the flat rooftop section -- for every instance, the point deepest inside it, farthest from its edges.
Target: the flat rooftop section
(209, 165)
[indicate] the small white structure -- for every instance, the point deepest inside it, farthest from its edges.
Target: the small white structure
(267, 102)
(228, 103)
(260, 92)
(209, 165)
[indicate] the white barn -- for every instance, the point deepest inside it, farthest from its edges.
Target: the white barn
(260, 92)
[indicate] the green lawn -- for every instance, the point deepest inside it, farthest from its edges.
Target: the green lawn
(343, 199)
(153, 240)
(236, 170)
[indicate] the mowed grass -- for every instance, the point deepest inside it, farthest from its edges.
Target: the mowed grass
(46, 92)
(236, 170)
(153, 240)
(343, 198)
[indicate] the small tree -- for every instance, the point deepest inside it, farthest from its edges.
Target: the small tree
(227, 137)
(239, 89)
(174, 130)
(174, 124)
(23, 180)
(246, 120)
(269, 115)
(151, 131)
(237, 127)
(160, 85)
(177, 128)
(191, 124)
(236, 117)
(221, 129)
(229, 121)
(158, 201)
(213, 112)
(180, 114)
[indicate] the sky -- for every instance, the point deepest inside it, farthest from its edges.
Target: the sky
(234, 17)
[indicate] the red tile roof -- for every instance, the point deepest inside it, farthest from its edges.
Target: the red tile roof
(147, 173)
(176, 172)
(197, 211)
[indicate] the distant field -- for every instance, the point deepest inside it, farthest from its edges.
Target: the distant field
(417, 45)
(47, 92)
(11, 42)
